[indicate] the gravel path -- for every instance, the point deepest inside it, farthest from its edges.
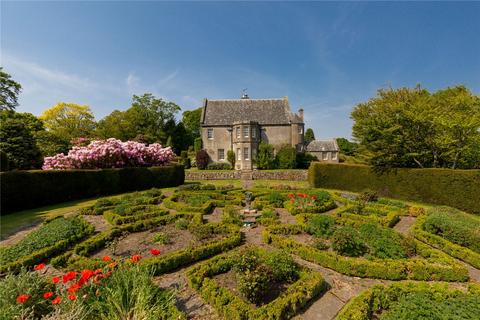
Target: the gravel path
(405, 225)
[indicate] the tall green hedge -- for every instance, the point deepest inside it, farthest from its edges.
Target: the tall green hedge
(22, 190)
(455, 188)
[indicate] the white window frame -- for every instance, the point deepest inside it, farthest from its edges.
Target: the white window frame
(324, 155)
(221, 154)
(239, 154)
(246, 153)
(246, 132)
(210, 133)
(238, 132)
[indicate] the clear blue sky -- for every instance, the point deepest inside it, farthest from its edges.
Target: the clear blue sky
(325, 57)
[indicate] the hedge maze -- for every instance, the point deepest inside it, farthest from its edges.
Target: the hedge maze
(261, 264)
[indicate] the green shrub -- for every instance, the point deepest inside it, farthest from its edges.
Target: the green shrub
(231, 157)
(230, 215)
(321, 226)
(368, 196)
(202, 159)
(219, 166)
(455, 226)
(348, 242)
(385, 243)
(282, 265)
(287, 157)
(22, 190)
(320, 244)
(303, 160)
(456, 188)
(255, 283)
(265, 157)
(182, 224)
(276, 199)
(197, 144)
(162, 238)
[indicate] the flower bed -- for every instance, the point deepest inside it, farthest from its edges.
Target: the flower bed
(309, 203)
(230, 306)
(413, 300)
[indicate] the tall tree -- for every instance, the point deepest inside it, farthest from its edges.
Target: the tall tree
(347, 147)
(309, 135)
(191, 121)
(17, 140)
(9, 91)
(69, 120)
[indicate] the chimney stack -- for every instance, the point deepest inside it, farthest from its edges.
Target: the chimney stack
(300, 113)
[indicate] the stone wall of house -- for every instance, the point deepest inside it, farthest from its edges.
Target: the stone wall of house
(292, 175)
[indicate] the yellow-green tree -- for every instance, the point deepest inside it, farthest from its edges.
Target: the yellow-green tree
(69, 120)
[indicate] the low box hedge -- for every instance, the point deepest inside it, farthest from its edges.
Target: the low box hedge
(455, 188)
(381, 298)
(309, 286)
(22, 190)
(434, 264)
(446, 246)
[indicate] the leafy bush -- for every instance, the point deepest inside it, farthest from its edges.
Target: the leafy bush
(455, 226)
(48, 235)
(254, 284)
(320, 244)
(202, 159)
(304, 159)
(182, 224)
(162, 238)
(368, 196)
(286, 157)
(197, 144)
(348, 242)
(231, 157)
(265, 157)
(219, 166)
(230, 215)
(276, 199)
(385, 243)
(321, 226)
(282, 265)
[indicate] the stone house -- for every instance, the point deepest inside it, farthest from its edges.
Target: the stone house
(324, 150)
(241, 124)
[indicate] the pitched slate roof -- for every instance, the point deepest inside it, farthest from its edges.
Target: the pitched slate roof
(263, 111)
(322, 145)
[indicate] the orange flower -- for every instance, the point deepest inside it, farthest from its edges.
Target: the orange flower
(72, 297)
(69, 276)
(87, 274)
(98, 271)
(106, 258)
(57, 300)
(48, 294)
(112, 265)
(154, 251)
(74, 287)
(23, 298)
(136, 258)
(39, 266)
(55, 279)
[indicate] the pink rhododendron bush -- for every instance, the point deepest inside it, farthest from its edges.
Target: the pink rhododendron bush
(110, 153)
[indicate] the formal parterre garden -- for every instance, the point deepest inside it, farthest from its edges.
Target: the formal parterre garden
(105, 260)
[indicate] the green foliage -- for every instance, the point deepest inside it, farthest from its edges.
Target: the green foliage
(12, 286)
(321, 226)
(309, 135)
(162, 238)
(9, 91)
(202, 159)
(346, 147)
(411, 127)
(219, 166)
(320, 244)
(303, 160)
(368, 196)
(385, 243)
(276, 199)
(455, 226)
(130, 293)
(182, 224)
(348, 242)
(4, 166)
(17, 139)
(30, 189)
(231, 158)
(265, 157)
(286, 157)
(282, 265)
(456, 188)
(231, 215)
(49, 234)
(197, 145)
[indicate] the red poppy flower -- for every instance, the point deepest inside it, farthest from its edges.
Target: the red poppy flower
(106, 258)
(23, 298)
(87, 274)
(69, 276)
(136, 258)
(48, 294)
(55, 279)
(39, 266)
(154, 251)
(98, 271)
(74, 287)
(57, 300)
(72, 297)
(112, 265)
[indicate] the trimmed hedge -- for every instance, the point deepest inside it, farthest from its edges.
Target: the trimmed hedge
(310, 285)
(434, 264)
(22, 190)
(455, 188)
(381, 298)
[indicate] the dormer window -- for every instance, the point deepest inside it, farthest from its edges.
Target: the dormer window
(210, 133)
